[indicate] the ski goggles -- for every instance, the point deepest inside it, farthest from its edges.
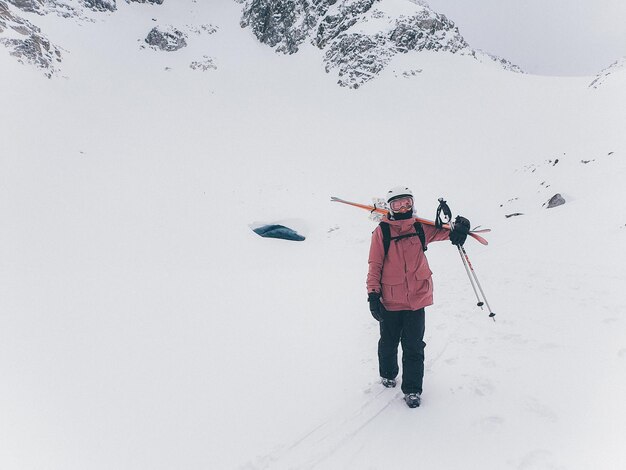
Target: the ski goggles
(405, 203)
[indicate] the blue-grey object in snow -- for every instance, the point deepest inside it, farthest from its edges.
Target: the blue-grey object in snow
(279, 231)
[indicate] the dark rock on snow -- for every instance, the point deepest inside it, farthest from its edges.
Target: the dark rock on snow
(30, 6)
(358, 58)
(426, 31)
(207, 63)
(332, 26)
(283, 24)
(101, 5)
(556, 200)
(166, 39)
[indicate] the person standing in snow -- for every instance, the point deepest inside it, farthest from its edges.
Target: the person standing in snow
(399, 286)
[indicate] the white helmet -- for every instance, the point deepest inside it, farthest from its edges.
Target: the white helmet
(400, 192)
(397, 192)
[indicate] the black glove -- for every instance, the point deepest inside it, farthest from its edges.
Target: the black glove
(375, 306)
(460, 231)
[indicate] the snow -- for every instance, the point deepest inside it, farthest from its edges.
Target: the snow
(385, 14)
(143, 325)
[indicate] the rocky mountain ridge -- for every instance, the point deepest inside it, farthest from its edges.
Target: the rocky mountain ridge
(359, 38)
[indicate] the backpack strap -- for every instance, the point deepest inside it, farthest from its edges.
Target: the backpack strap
(386, 230)
(420, 233)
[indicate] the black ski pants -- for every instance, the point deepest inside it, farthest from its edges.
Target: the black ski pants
(406, 327)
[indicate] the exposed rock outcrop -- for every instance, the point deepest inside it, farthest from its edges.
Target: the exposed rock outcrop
(556, 200)
(44, 7)
(283, 24)
(358, 58)
(157, 2)
(207, 63)
(30, 6)
(101, 5)
(346, 16)
(166, 38)
(26, 42)
(426, 30)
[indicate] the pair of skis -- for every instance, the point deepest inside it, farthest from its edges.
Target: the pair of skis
(380, 208)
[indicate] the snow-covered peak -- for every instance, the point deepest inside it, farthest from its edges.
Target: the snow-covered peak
(359, 37)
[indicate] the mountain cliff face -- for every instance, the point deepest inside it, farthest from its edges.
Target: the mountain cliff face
(358, 38)
(25, 41)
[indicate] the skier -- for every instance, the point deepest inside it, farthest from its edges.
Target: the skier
(399, 286)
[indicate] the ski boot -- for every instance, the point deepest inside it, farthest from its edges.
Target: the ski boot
(413, 400)
(388, 383)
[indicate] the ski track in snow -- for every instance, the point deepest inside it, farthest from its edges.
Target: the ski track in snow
(324, 440)
(319, 444)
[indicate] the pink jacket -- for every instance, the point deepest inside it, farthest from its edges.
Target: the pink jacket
(403, 278)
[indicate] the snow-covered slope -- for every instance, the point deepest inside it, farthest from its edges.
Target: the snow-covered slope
(143, 325)
(615, 74)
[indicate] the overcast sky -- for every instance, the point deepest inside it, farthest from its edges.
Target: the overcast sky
(548, 37)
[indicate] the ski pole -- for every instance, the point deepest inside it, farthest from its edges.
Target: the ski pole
(479, 302)
(439, 222)
(443, 207)
(469, 263)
